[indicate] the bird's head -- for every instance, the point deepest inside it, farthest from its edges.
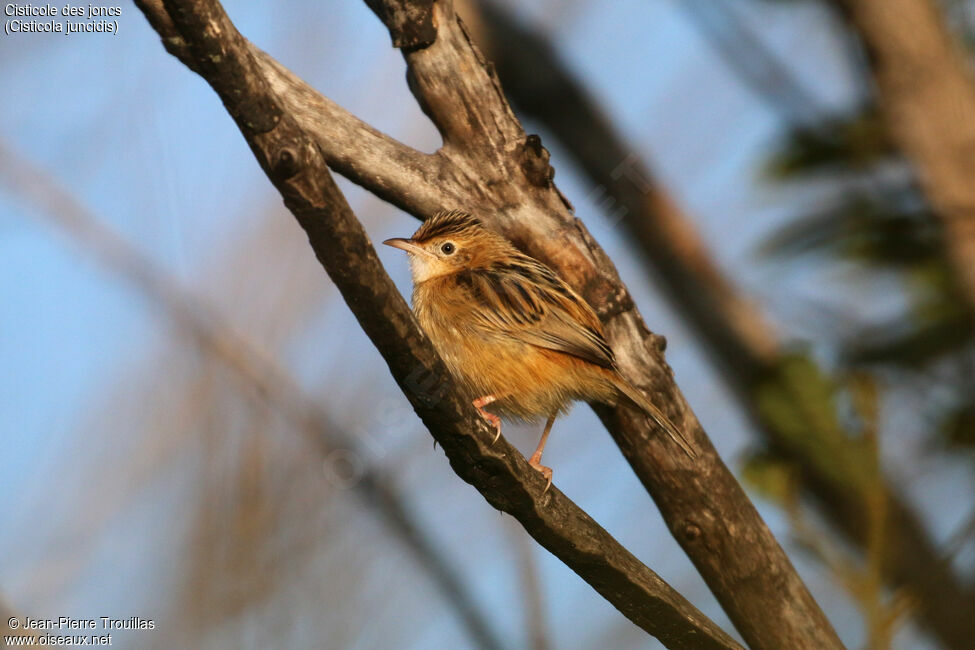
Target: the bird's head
(449, 242)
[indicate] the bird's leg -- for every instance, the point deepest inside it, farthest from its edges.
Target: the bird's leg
(536, 459)
(479, 404)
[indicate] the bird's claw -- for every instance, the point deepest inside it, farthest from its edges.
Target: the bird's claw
(493, 419)
(546, 472)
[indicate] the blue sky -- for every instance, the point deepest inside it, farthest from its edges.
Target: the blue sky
(146, 146)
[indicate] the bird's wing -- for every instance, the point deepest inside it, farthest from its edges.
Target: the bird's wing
(524, 299)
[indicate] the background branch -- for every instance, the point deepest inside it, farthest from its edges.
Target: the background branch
(751, 61)
(927, 94)
(7, 614)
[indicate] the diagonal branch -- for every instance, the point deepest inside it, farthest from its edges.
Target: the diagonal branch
(252, 368)
(389, 169)
(506, 178)
(745, 348)
(703, 505)
(293, 162)
(8, 616)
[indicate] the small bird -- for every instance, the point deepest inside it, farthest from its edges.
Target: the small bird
(511, 332)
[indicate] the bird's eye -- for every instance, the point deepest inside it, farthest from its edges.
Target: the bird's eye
(448, 248)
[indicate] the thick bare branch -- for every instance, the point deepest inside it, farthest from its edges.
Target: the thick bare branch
(927, 94)
(292, 160)
(511, 188)
(745, 348)
(389, 169)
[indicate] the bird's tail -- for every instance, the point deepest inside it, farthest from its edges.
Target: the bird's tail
(634, 395)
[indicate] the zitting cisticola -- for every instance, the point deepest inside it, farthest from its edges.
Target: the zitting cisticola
(511, 332)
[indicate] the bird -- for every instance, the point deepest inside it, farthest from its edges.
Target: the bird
(512, 333)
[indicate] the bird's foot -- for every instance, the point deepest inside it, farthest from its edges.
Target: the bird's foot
(545, 471)
(479, 404)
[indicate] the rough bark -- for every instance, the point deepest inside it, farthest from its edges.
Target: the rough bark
(293, 161)
(927, 98)
(488, 165)
(744, 347)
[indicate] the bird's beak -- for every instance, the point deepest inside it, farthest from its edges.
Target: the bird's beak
(408, 246)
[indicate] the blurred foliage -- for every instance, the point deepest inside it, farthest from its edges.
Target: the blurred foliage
(883, 226)
(856, 140)
(860, 574)
(771, 477)
(959, 427)
(890, 229)
(798, 399)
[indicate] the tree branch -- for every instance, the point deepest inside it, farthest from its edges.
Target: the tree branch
(744, 347)
(292, 159)
(254, 369)
(389, 169)
(6, 615)
(703, 505)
